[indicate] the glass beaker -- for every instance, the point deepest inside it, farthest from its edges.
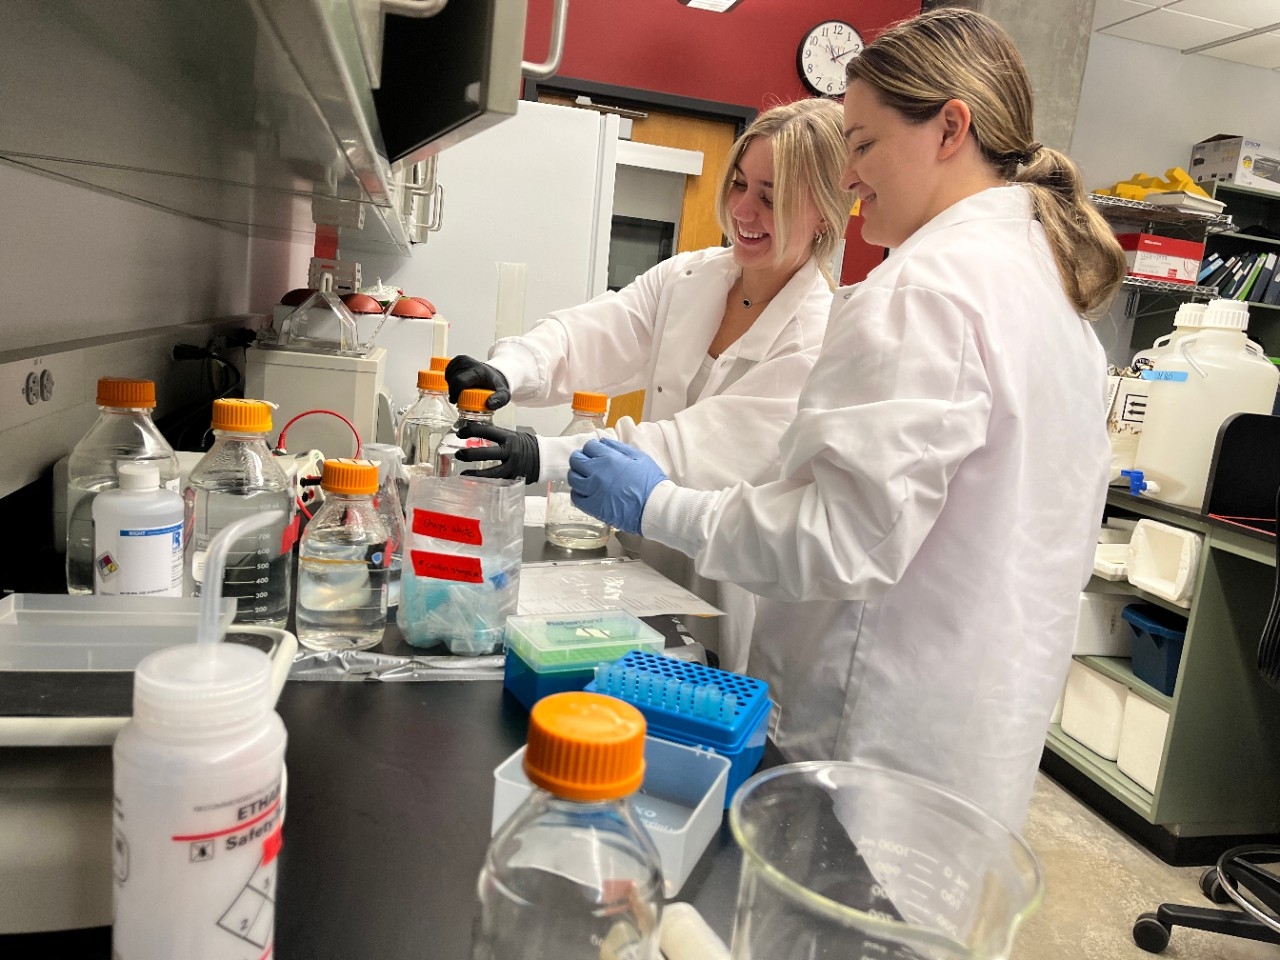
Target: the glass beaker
(847, 860)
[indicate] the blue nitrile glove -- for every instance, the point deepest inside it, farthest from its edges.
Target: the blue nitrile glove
(516, 453)
(612, 482)
(467, 373)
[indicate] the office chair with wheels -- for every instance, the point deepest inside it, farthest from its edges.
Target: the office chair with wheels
(1239, 876)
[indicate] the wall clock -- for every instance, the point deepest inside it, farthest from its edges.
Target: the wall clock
(824, 51)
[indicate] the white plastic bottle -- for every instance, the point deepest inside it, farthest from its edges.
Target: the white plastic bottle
(428, 421)
(124, 431)
(343, 563)
(470, 407)
(198, 806)
(567, 526)
(1211, 375)
(137, 536)
(239, 477)
(573, 875)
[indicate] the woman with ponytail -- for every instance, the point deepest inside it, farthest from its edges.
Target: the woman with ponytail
(943, 481)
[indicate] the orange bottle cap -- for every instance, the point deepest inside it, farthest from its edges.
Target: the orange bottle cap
(126, 392)
(349, 477)
(242, 416)
(590, 402)
(432, 380)
(439, 363)
(473, 400)
(585, 746)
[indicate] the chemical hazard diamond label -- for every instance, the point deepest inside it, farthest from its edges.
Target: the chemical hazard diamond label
(202, 850)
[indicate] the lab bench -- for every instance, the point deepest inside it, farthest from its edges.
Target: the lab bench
(1219, 776)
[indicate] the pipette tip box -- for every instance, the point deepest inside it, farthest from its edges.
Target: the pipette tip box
(695, 705)
(554, 653)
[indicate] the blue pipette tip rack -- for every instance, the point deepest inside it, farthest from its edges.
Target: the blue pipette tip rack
(694, 705)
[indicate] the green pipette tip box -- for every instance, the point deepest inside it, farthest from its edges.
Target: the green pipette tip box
(551, 643)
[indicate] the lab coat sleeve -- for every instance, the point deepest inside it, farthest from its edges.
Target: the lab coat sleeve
(602, 345)
(897, 401)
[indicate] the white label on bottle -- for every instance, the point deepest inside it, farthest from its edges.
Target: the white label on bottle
(173, 485)
(195, 869)
(139, 562)
(197, 565)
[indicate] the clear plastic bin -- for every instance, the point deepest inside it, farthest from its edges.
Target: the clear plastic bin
(681, 802)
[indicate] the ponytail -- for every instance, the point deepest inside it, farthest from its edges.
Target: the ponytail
(1090, 261)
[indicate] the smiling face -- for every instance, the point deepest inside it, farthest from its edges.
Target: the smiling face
(750, 207)
(893, 167)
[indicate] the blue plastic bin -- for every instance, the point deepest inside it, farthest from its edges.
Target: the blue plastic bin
(1157, 644)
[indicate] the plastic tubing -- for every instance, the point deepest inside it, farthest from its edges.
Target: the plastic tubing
(210, 628)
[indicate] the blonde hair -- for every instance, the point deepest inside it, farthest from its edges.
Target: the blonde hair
(920, 64)
(808, 155)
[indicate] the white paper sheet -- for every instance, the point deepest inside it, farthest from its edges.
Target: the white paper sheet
(535, 511)
(577, 586)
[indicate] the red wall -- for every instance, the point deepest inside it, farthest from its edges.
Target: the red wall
(745, 57)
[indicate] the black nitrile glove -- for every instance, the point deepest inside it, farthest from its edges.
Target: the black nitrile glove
(518, 452)
(468, 373)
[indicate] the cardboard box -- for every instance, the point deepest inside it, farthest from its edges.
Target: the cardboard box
(1238, 160)
(1162, 258)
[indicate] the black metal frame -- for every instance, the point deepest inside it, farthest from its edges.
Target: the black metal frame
(607, 94)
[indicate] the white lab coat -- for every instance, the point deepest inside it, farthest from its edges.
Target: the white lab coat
(653, 335)
(941, 491)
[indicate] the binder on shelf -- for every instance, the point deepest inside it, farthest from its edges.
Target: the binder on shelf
(1272, 294)
(1209, 267)
(1238, 276)
(1264, 279)
(1220, 276)
(1255, 270)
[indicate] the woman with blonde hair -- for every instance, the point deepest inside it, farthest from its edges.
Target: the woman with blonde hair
(943, 481)
(720, 339)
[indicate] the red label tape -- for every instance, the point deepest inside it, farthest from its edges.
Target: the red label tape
(446, 526)
(446, 566)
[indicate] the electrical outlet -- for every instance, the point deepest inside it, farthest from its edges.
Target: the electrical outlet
(31, 382)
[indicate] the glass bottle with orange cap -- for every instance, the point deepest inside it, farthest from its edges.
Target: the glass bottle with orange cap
(567, 526)
(344, 563)
(238, 477)
(425, 424)
(471, 407)
(573, 875)
(124, 432)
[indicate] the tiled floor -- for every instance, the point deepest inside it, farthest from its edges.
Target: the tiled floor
(1098, 881)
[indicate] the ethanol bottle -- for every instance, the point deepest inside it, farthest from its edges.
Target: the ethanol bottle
(426, 423)
(573, 875)
(343, 563)
(567, 526)
(1193, 389)
(137, 536)
(390, 505)
(470, 407)
(196, 818)
(238, 477)
(124, 431)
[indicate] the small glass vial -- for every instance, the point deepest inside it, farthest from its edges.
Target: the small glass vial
(470, 408)
(567, 526)
(198, 775)
(425, 424)
(389, 459)
(573, 875)
(237, 477)
(344, 563)
(137, 536)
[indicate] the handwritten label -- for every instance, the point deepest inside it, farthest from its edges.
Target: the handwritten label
(446, 566)
(1170, 376)
(446, 526)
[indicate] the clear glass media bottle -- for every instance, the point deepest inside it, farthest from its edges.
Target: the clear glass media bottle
(239, 476)
(343, 563)
(124, 431)
(573, 875)
(470, 407)
(428, 421)
(390, 505)
(567, 526)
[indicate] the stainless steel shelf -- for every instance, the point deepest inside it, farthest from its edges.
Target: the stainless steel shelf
(1130, 211)
(1174, 289)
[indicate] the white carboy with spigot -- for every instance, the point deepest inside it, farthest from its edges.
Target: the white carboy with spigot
(1206, 377)
(198, 805)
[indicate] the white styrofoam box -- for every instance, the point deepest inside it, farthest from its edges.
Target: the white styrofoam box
(680, 803)
(1117, 530)
(1057, 708)
(1093, 710)
(1110, 559)
(1163, 560)
(1101, 631)
(1142, 741)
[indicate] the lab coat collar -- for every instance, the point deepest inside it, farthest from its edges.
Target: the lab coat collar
(755, 344)
(1009, 202)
